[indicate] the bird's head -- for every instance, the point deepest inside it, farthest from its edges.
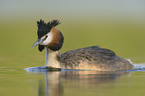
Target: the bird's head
(48, 36)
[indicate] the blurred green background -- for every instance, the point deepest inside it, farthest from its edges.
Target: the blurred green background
(118, 25)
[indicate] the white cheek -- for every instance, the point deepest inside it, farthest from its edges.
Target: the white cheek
(48, 39)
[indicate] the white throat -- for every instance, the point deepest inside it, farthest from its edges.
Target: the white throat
(51, 59)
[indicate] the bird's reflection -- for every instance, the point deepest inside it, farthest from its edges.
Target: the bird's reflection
(54, 80)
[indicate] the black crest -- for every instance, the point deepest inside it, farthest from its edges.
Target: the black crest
(44, 28)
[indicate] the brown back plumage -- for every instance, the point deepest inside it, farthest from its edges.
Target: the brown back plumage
(94, 58)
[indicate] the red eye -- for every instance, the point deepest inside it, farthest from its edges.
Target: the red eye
(45, 38)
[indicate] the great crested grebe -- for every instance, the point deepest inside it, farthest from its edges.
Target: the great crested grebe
(89, 58)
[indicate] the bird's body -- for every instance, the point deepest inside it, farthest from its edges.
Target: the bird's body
(89, 58)
(94, 58)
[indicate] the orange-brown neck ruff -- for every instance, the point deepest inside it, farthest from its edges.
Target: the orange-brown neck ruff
(57, 40)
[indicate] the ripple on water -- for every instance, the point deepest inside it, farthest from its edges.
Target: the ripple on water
(137, 67)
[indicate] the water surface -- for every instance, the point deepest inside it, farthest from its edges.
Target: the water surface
(71, 82)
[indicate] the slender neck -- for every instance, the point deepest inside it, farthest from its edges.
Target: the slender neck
(52, 58)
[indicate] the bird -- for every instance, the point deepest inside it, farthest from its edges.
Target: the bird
(88, 58)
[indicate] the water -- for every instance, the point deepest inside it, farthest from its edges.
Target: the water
(37, 81)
